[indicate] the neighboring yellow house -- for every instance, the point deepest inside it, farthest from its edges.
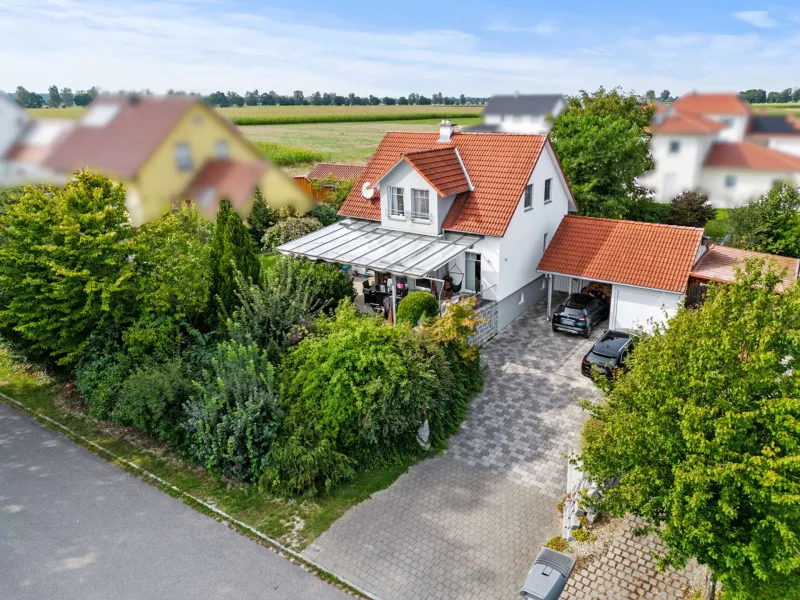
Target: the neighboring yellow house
(170, 149)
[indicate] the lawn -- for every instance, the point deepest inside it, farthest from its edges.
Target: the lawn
(719, 226)
(294, 523)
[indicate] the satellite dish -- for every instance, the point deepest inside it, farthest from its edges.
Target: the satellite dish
(367, 191)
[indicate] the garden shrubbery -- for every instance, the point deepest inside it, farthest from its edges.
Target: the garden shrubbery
(417, 306)
(173, 328)
(287, 230)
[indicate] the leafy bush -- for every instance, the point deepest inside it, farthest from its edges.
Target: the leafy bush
(769, 224)
(690, 209)
(325, 214)
(99, 382)
(288, 230)
(417, 306)
(336, 190)
(350, 118)
(234, 415)
(151, 398)
(288, 156)
(558, 543)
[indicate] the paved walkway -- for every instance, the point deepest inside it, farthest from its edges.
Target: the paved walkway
(467, 524)
(73, 526)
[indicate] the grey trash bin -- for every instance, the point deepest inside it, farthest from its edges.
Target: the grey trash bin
(548, 575)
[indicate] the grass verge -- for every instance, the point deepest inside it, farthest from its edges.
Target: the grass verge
(719, 226)
(288, 156)
(294, 523)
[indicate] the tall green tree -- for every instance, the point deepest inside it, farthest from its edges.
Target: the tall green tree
(262, 217)
(603, 144)
(64, 266)
(702, 437)
(67, 98)
(54, 97)
(690, 209)
(232, 251)
(769, 224)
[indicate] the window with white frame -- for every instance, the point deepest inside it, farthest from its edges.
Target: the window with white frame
(420, 207)
(397, 207)
(183, 157)
(223, 149)
(547, 184)
(674, 146)
(528, 197)
(730, 181)
(544, 243)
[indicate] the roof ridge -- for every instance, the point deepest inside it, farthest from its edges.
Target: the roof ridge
(587, 217)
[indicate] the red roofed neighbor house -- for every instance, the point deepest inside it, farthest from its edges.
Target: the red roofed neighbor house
(476, 208)
(714, 143)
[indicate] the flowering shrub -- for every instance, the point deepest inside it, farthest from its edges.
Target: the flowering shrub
(288, 230)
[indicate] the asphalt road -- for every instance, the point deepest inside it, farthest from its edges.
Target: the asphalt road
(73, 526)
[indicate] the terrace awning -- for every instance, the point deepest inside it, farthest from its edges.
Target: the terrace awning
(366, 244)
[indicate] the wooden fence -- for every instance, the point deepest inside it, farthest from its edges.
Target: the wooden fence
(308, 187)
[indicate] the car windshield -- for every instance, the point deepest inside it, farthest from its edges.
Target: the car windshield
(599, 359)
(572, 311)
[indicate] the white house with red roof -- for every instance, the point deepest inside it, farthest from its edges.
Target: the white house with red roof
(714, 143)
(477, 208)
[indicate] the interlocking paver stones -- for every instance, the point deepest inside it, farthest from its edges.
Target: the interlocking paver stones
(467, 524)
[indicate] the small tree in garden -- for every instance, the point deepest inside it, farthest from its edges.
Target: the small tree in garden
(691, 209)
(232, 251)
(325, 214)
(262, 217)
(289, 229)
(417, 306)
(770, 224)
(702, 437)
(337, 190)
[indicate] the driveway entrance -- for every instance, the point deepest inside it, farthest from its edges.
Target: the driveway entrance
(468, 523)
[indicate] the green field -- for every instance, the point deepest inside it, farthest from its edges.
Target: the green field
(790, 107)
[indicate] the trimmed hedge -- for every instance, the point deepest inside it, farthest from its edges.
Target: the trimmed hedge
(416, 306)
(356, 118)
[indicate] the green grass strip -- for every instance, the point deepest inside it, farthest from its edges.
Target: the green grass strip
(355, 118)
(288, 156)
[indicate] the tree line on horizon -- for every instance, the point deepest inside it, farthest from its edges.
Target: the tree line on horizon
(65, 97)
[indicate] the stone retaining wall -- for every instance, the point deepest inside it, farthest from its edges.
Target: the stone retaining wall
(488, 329)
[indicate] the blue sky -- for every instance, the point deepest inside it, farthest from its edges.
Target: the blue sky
(394, 48)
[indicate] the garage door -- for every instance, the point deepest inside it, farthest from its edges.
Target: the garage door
(633, 307)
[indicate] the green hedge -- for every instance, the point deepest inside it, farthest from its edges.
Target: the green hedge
(416, 306)
(351, 118)
(287, 156)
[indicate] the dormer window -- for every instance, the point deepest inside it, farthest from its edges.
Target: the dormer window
(397, 208)
(420, 206)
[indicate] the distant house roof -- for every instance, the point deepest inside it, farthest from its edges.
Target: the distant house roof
(523, 104)
(686, 123)
(749, 155)
(338, 171)
(721, 262)
(773, 125)
(36, 143)
(440, 167)
(224, 178)
(712, 104)
(499, 166)
(482, 128)
(118, 134)
(646, 255)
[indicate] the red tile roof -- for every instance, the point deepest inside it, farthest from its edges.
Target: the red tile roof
(499, 166)
(712, 104)
(748, 155)
(687, 123)
(440, 167)
(120, 147)
(721, 262)
(338, 171)
(224, 178)
(642, 254)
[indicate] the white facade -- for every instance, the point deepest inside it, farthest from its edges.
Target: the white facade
(731, 188)
(636, 307)
(737, 127)
(790, 144)
(679, 163)
(516, 123)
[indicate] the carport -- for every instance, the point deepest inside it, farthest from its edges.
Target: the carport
(646, 264)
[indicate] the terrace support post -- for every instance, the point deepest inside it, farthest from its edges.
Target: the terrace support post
(570, 286)
(394, 299)
(550, 296)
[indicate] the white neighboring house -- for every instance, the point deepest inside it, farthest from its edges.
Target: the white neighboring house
(25, 143)
(479, 208)
(714, 143)
(521, 113)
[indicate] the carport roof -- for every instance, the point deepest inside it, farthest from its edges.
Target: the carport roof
(646, 255)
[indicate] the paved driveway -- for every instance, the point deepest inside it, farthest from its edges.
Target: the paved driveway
(468, 523)
(73, 526)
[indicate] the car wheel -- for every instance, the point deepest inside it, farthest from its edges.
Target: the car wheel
(555, 329)
(588, 332)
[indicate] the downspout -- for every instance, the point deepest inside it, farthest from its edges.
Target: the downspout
(549, 296)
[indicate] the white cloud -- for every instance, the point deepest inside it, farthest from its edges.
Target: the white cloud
(756, 18)
(541, 28)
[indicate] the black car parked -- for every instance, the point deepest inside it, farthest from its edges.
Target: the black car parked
(580, 313)
(608, 354)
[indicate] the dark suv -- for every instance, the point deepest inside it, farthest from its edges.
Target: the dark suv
(608, 354)
(580, 313)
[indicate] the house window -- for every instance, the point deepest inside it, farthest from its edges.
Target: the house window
(206, 195)
(674, 147)
(472, 277)
(183, 157)
(544, 243)
(397, 208)
(223, 149)
(420, 210)
(730, 181)
(529, 196)
(547, 183)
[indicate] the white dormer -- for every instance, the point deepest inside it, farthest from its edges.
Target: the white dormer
(418, 191)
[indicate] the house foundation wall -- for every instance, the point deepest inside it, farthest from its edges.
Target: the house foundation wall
(516, 303)
(488, 329)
